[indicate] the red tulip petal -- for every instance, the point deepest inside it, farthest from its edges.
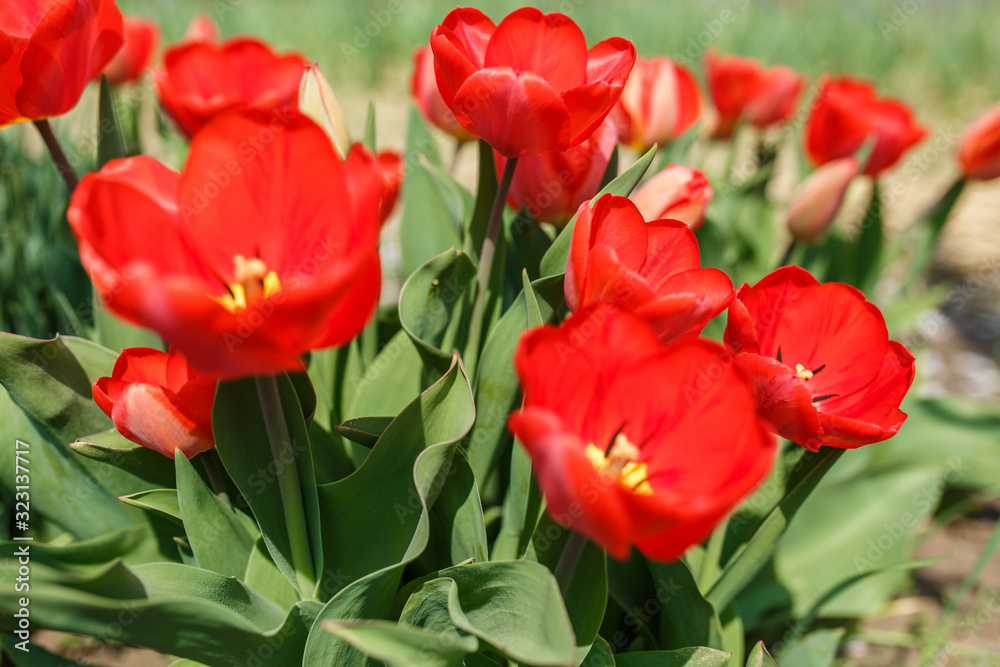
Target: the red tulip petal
(473, 30)
(10, 76)
(688, 101)
(459, 47)
(549, 45)
(148, 415)
(672, 249)
(783, 400)
(609, 280)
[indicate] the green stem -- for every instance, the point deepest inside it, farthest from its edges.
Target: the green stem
(63, 164)
(568, 560)
(710, 566)
(215, 478)
(288, 482)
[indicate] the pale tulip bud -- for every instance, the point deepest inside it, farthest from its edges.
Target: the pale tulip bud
(316, 100)
(816, 204)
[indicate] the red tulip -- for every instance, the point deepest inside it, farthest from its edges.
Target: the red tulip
(631, 442)
(263, 248)
(660, 101)
(529, 85)
(847, 113)
(816, 204)
(552, 186)
(49, 51)
(156, 400)
(388, 166)
(649, 268)
(201, 80)
(202, 28)
(677, 193)
(744, 88)
(130, 63)
(979, 148)
(820, 359)
(424, 89)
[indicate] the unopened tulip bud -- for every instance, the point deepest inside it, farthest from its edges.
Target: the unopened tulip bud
(202, 28)
(816, 204)
(676, 193)
(979, 149)
(316, 100)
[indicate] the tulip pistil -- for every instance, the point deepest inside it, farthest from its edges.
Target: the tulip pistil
(619, 464)
(252, 282)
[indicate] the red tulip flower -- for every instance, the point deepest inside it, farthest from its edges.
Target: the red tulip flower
(201, 80)
(677, 193)
(847, 113)
(424, 89)
(552, 186)
(744, 88)
(529, 85)
(820, 359)
(660, 102)
(979, 148)
(631, 442)
(49, 51)
(263, 248)
(388, 166)
(649, 268)
(158, 401)
(130, 63)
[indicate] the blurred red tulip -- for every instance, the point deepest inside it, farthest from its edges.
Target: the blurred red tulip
(528, 85)
(552, 186)
(130, 63)
(819, 357)
(202, 28)
(649, 268)
(388, 166)
(847, 113)
(201, 80)
(744, 88)
(424, 89)
(816, 204)
(158, 401)
(979, 148)
(677, 193)
(49, 51)
(660, 101)
(631, 442)
(264, 248)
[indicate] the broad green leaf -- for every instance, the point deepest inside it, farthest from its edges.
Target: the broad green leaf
(554, 261)
(928, 230)
(433, 210)
(98, 551)
(110, 140)
(817, 649)
(685, 657)
(685, 616)
(430, 306)
(216, 535)
(390, 382)
(600, 655)
(632, 588)
(263, 576)
(369, 136)
(457, 528)
(112, 448)
(868, 246)
(279, 485)
(364, 430)
(161, 501)
(733, 638)
(759, 657)
(401, 646)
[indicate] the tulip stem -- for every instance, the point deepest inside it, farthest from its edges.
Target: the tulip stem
(788, 253)
(288, 482)
(568, 560)
(215, 478)
(63, 164)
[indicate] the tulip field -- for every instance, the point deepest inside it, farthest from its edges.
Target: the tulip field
(586, 334)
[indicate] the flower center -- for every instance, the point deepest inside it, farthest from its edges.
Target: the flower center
(618, 465)
(253, 282)
(802, 372)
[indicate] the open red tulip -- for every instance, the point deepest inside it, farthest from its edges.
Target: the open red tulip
(528, 85)
(49, 51)
(263, 248)
(130, 63)
(979, 148)
(633, 442)
(158, 401)
(552, 186)
(744, 88)
(424, 90)
(201, 80)
(820, 360)
(652, 269)
(847, 113)
(660, 102)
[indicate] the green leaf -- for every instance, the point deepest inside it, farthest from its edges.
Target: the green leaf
(364, 430)
(430, 306)
(110, 140)
(161, 501)
(759, 657)
(457, 528)
(390, 382)
(554, 261)
(217, 536)
(400, 646)
(98, 551)
(868, 246)
(34, 655)
(685, 616)
(369, 137)
(817, 649)
(112, 448)
(263, 576)
(419, 138)
(685, 657)
(434, 207)
(600, 655)
(929, 227)
(290, 525)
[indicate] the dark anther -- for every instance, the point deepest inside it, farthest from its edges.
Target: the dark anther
(819, 369)
(779, 353)
(611, 443)
(823, 398)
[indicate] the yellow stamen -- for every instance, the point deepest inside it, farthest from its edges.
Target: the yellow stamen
(619, 465)
(253, 282)
(802, 372)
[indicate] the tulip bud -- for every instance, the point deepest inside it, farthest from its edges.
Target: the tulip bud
(202, 28)
(676, 193)
(818, 200)
(979, 148)
(130, 63)
(156, 400)
(316, 100)
(660, 102)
